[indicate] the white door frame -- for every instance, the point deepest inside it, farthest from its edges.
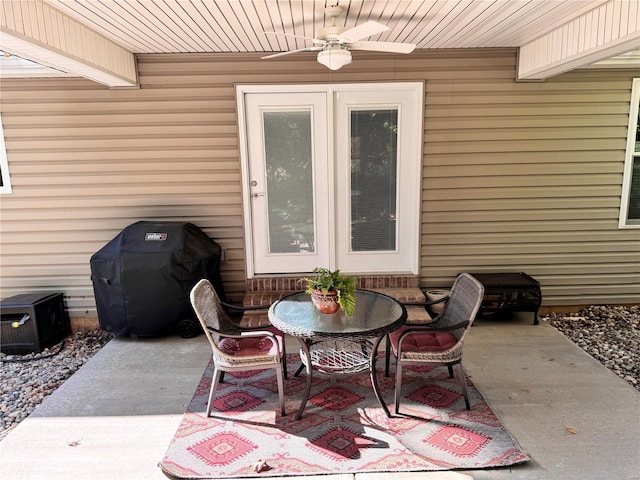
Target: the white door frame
(410, 171)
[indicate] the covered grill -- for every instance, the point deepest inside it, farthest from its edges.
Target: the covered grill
(142, 278)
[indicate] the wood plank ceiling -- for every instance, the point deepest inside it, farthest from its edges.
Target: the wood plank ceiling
(98, 39)
(189, 26)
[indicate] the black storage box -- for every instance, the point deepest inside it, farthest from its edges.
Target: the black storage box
(31, 322)
(509, 292)
(142, 278)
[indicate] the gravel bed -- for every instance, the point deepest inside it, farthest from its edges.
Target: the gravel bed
(610, 334)
(25, 380)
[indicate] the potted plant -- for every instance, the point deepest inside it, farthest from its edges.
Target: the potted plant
(331, 290)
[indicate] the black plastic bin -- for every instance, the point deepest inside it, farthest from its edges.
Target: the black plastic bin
(142, 278)
(31, 322)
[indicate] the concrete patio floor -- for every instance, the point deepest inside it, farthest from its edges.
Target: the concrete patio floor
(115, 417)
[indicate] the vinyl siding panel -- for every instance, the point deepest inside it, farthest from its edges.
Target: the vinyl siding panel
(531, 181)
(516, 176)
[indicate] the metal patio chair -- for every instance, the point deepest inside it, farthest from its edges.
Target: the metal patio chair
(233, 348)
(441, 341)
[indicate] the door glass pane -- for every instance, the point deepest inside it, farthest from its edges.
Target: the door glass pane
(288, 159)
(374, 140)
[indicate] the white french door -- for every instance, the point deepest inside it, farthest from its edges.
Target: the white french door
(378, 169)
(331, 177)
(288, 184)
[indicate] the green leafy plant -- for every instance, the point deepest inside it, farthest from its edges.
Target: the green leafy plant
(326, 280)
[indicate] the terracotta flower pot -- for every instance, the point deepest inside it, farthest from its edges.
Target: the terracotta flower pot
(325, 302)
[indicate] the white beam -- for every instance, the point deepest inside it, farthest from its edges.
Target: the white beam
(611, 29)
(16, 67)
(33, 30)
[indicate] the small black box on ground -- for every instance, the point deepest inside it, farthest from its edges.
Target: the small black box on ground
(509, 292)
(31, 322)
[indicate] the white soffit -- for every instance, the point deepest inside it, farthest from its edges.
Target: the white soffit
(98, 39)
(35, 31)
(610, 30)
(12, 66)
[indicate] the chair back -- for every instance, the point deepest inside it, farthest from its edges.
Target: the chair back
(463, 304)
(206, 304)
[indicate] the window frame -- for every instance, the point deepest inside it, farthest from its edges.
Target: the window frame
(5, 188)
(630, 153)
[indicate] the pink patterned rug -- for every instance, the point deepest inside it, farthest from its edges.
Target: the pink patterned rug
(342, 430)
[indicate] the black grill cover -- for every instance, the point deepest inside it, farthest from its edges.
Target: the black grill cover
(142, 278)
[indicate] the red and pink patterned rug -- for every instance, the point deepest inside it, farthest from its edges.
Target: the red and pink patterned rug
(342, 430)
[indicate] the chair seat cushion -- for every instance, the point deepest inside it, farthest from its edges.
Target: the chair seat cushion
(425, 341)
(249, 346)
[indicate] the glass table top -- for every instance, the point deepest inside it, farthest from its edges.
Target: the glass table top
(375, 314)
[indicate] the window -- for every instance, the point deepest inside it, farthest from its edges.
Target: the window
(331, 177)
(630, 206)
(5, 182)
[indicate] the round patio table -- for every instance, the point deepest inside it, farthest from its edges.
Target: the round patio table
(337, 343)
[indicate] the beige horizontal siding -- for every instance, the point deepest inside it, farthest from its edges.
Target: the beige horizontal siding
(531, 181)
(516, 176)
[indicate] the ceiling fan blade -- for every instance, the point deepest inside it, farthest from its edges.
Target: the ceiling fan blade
(361, 31)
(308, 49)
(390, 47)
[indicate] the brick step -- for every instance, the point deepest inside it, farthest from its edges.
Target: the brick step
(255, 318)
(293, 284)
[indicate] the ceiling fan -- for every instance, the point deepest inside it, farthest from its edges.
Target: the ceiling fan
(334, 43)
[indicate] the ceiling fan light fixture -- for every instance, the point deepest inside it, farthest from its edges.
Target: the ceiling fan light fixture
(334, 57)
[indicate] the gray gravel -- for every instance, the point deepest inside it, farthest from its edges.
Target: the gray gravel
(611, 335)
(25, 380)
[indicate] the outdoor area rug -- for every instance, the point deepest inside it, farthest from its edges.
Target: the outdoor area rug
(342, 430)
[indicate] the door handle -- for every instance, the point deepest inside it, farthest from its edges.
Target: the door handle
(256, 195)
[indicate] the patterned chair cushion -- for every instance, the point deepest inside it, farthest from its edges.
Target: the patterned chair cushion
(241, 347)
(423, 341)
